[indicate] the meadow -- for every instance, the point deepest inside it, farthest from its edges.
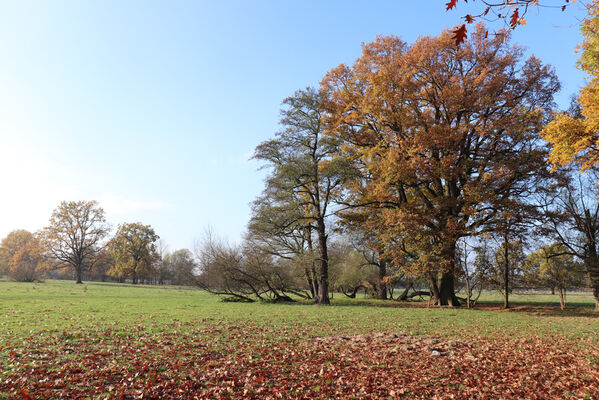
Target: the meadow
(104, 340)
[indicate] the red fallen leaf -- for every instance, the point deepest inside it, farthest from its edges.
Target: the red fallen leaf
(459, 34)
(450, 4)
(259, 379)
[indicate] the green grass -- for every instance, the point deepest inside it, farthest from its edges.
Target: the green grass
(27, 308)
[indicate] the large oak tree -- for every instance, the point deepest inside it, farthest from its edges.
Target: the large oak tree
(446, 137)
(75, 235)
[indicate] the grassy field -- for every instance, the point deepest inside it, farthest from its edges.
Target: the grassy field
(101, 340)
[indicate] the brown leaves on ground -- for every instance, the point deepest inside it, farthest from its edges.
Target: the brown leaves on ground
(238, 362)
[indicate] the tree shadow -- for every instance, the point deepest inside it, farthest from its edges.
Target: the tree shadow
(532, 308)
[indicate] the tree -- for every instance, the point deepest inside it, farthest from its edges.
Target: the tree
(10, 245)
(181, 266)
(509, 258)
(279, 227)
(242, 272)
(574, 137)
(552, 266)
(134, 250)
(74, 235)
(21, 256)
(510, 12)
(304, 172)
(446, 139)
(572, 219)
(163, 270)
(102, 264)
(28, 262)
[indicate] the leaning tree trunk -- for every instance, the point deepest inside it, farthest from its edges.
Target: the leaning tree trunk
(323, 279)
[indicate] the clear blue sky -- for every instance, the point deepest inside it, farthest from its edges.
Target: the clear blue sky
(153, 108)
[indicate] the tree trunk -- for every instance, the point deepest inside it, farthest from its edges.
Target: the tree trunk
(592, 267)
(381, 288)
(562, 298)
(444, 293)
(404, 295)
(552, 289)
(323, 281)
(353, 293)
(78, 273)
(468, 292)
(435, 296)
(593, 273)
(447, 295)
(314, 278)
(506, 272)
(313, 293)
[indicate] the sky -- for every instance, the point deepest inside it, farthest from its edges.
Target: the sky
(154, 108)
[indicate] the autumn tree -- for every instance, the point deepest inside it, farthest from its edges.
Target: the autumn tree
(75, 235)
(303, 171)
(22, 256)
(10, 245)
(28, 262)
(574, 137)
(103, 262)
(446, 138)
(133, 248)
(553, 266)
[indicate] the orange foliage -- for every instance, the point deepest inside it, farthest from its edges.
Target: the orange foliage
(575, 138)
(445, 136)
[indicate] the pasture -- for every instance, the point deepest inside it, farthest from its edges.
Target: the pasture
(104, 340)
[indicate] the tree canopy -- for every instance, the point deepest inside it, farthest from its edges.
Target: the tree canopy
(446, 138)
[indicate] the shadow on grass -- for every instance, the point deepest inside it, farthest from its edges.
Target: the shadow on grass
(533, 308)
